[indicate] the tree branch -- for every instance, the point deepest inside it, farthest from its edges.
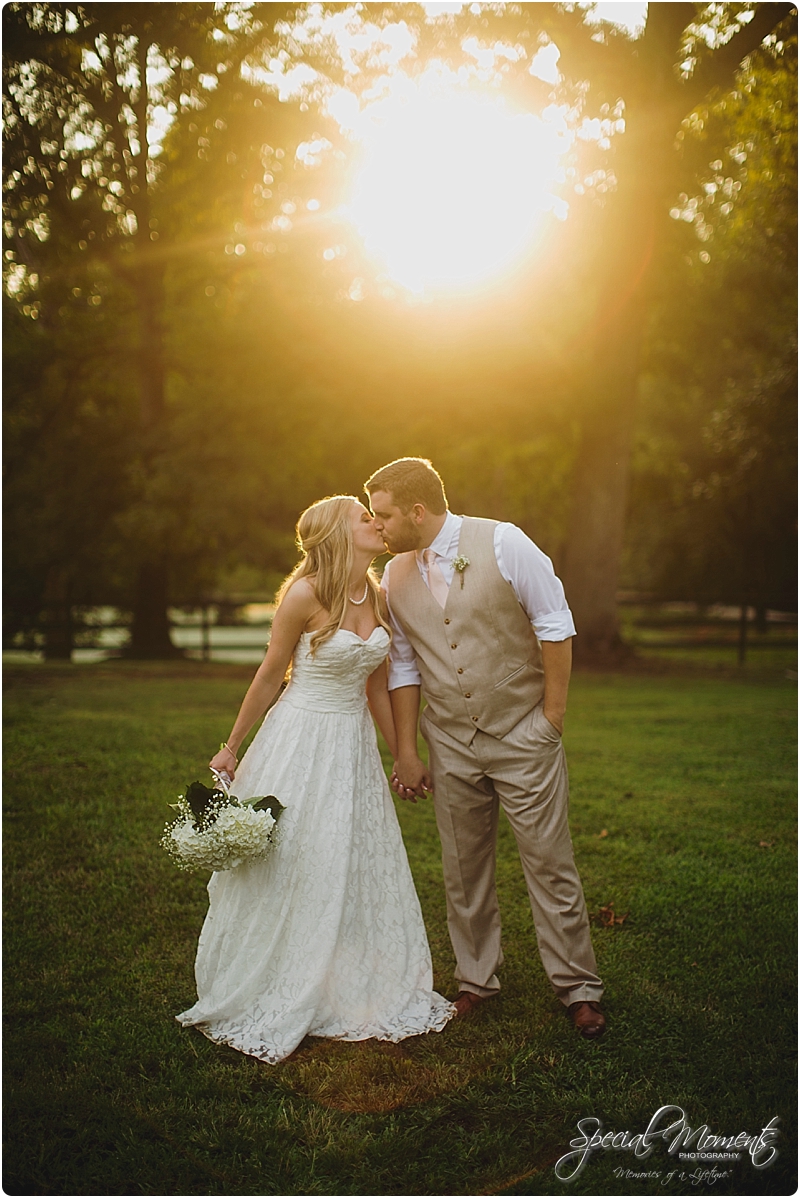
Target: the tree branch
(658, 54)
(666, 24)
(720, 67)
(606, 63)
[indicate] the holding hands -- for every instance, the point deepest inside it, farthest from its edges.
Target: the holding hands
(411, 778)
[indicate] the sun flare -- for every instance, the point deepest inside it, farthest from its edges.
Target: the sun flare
(453, 187)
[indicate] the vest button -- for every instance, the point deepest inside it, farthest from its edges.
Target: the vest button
(475, 718)
(454, 646)
(447, 619)
(460, 671)
(467, 694)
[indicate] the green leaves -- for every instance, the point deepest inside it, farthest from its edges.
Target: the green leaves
(268, 803)
(205, 803)
(203, 800)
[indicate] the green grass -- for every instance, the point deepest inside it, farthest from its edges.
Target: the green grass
(676, 782)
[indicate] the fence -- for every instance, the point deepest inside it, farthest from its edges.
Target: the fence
(236, 629)
(226, 630)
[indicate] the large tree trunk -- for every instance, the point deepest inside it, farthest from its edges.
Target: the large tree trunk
(627, 238)
(627, 241)
(593, 551)
(57, 615)
(150, 635)
(150, 632)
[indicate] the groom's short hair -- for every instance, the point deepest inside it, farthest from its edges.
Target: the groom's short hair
(410, 481)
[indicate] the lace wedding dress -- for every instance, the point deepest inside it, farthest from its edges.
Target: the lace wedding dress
(325, 937)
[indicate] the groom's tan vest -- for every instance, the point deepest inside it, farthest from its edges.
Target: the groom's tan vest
(479, 658)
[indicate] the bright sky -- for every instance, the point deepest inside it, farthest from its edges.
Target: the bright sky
(629, 13)
(454, 186)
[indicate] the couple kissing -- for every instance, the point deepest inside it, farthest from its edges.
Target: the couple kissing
(325, 937)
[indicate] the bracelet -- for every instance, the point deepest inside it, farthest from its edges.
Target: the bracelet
(225, 745)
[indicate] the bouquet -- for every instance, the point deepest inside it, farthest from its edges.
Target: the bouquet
(215, 830)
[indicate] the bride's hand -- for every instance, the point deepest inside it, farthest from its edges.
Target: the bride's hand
(411, 778)
(225, 760)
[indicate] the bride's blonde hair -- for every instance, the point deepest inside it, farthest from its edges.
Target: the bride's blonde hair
(325, 538)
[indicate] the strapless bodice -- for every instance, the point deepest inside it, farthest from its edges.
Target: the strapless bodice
(334, 678)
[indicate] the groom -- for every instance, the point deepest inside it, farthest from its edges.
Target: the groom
(480, 625)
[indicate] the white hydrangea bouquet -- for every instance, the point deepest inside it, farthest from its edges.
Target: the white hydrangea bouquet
(215, 830)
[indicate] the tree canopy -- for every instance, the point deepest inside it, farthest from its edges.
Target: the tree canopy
(197, 344)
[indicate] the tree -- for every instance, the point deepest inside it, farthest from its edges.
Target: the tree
(628, 234)
(713, 514)
(650, 86)
(254, 391)
(59, 541)
(88, 95)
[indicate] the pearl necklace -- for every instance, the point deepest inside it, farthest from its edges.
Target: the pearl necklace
(358, 602)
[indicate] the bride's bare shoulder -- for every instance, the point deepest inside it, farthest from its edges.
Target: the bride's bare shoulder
(300, 605)
(300, 596)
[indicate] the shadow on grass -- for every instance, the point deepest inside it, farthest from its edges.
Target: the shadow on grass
(373, 1076)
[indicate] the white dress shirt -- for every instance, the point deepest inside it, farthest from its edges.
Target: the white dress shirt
(520, 562)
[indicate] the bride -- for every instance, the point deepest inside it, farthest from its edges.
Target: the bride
(325, 937)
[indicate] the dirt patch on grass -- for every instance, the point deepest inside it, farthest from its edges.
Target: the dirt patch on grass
(373, 1076)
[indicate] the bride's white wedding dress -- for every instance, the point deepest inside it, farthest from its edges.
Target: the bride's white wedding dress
(325, 937)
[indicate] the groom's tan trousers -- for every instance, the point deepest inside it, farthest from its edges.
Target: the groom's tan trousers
(526, 772)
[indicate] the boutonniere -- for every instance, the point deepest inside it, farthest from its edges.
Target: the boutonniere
(460, 563)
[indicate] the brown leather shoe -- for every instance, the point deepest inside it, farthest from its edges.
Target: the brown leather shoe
(588, 1019)
(466, 1001)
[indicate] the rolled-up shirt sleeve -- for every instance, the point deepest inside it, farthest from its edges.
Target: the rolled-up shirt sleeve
(535, 583)
(403, 670)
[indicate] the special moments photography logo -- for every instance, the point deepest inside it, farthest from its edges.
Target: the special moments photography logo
(670, 1126)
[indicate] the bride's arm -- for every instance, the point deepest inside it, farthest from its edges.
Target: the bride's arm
(381, 707)
(298, 605)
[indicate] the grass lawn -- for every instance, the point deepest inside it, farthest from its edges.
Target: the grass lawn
(683, 819)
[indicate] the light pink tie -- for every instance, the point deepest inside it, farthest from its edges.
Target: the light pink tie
(437, 584)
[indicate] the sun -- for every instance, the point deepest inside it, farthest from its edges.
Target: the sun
(453, 186)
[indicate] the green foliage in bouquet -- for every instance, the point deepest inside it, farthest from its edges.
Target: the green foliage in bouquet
(206, 801)
(268, 803)
(216, 830)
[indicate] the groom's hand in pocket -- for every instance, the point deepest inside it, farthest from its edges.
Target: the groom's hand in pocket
(411, 778)
(556, 718)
